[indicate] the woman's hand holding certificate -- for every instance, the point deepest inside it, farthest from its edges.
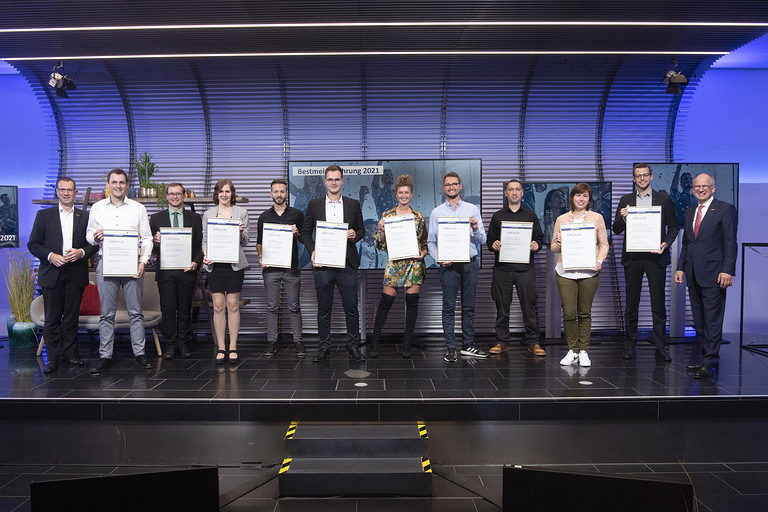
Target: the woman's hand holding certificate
(401, 237)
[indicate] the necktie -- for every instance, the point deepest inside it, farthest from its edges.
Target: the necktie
(176, 220)
(698, 221)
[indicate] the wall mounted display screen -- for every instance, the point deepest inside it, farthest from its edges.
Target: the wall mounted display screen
(550, 200)
(677, 180)
(372, 183)
(9, 216)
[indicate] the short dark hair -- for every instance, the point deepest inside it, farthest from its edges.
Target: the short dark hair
(452, 175)
(580, 188)
(333, 168)
(220, 185)
(176, 184)
(513, 180)
(117, 171)
(641, 165)
(278, 182)
(66, 178)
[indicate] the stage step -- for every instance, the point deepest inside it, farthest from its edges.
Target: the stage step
(356, 460)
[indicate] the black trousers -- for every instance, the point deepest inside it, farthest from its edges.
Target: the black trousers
(657, 285)
(176, 306)
(62, 312)
(708, 308)
(345, 279)
(501, 291)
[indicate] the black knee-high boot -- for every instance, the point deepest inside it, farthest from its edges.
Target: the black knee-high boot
(378, 323)
(411, 312)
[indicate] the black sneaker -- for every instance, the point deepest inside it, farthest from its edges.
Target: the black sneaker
(271, 349)
(300, 350)
(472, 351)
(450, 355)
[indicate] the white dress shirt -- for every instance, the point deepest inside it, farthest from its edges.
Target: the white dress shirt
(334, 210)
(128, 215)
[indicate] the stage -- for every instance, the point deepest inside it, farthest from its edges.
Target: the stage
(638, 416)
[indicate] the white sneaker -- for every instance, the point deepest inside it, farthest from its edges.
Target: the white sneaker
(584, 359)
(570, 358)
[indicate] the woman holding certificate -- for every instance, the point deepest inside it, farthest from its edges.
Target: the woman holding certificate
(225, 233)
(403, 234)
(582, 241)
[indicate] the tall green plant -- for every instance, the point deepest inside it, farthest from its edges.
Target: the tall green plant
(145, 168)
(20, 276)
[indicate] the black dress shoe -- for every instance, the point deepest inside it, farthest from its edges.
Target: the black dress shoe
(705, 372)
(74, 361)
(101, 365)
(52, 366)
(694, 366)
(141, 362)
(355, 354)
(628, 353)
(170, 352)
(184, 350)
(322, 355)
(662, 354)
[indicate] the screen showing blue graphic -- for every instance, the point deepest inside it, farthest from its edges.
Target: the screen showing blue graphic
(9, 216)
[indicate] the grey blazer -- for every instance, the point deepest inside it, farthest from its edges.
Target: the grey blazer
(238, 212)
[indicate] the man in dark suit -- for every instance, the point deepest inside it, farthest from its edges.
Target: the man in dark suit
(336, 208)
(653, 264)
(708, 261)
(58, 241)
(178, 285)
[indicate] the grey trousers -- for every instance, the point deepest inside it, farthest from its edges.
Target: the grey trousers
(291, 280)
(109, 287)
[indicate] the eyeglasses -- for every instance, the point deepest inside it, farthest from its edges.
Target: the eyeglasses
(451, 185)
(174, 194)
(66, 190)
(334, 180)
(702, 187)
(644, 175)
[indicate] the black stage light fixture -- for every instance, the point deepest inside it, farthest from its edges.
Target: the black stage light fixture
(673, 78)
(60, 81)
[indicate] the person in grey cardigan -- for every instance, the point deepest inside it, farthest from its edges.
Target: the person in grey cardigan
(225, 280)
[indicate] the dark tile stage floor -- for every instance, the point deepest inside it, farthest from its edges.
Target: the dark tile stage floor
(620, 417)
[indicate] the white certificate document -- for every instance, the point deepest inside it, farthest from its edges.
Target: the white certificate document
(643, 229)
(276, 245)
(400, 233)
(515, 242)
(120, 253)
(579, 245)
(331, 244)
(175, 248)
(223, 244)
(453, 239)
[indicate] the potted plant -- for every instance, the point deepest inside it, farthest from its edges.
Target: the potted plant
(162, 201)
(20, 278)
(145, 168)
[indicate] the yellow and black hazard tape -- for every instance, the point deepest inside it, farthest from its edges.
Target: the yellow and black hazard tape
(426, 465)
(291, 430)
(286, 464)
(422, 430)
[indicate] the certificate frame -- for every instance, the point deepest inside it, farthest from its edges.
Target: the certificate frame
(225, 233)
(120, 253)
(406, 241)
(511, 232)
(327, 239)
(179, 257)
(643, 229)
(578, 245)
(457, 253)
(275, 251)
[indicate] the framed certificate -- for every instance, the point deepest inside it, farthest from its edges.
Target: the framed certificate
(120, 253)
(400, 233)
(223, 240)
(277, 245)
(175, 248)
(643, 229)
(331, 244)
(579, 245)
(515, 242)
(453, 239)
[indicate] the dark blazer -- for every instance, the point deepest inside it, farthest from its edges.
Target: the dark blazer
(353, 216)
(46, 238)
(669, 226)
(714, 249)
(162, 219)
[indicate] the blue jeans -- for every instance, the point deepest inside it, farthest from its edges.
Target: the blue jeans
(459, 276)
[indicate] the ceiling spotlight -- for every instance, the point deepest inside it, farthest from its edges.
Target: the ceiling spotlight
(674, 78)
(60, 81)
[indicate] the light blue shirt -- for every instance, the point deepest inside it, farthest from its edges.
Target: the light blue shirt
(463, 209)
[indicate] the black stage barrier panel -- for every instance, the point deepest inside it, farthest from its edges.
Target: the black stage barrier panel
(541, 490)
(186, 489)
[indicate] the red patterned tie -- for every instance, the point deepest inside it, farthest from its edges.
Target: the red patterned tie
(698, 221)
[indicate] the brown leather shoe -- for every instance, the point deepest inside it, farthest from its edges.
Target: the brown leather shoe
(537, 350)
(498, 348)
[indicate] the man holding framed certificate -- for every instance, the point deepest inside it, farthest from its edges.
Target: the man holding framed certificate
(647, 219)
(119, 217)
(515, 235)
(330, 213)
(278, 233)
(462, 220)
(178, 236)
